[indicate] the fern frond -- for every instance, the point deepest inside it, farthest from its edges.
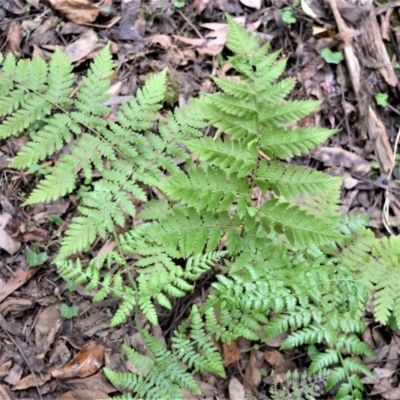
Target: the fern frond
(300, 228)
(207, 189)
(292, 181)
(228, 156)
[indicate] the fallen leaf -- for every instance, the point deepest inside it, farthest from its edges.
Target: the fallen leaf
(236, 389)
(14, 375)
(4, 369)
(19, 278)
(85, 363)
(200, 5)
(84, 395)
(48, 324)
(7, 242)
(252, 3)
(231, 353)
(252, 372)
(32, 381)
(78, 11)
(98, 381)
(82, 47)
(307, 9)
(14, 38)
(3, 394)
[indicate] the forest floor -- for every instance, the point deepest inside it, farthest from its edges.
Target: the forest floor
(346, 53)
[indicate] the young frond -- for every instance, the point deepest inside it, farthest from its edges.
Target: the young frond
(239, 40)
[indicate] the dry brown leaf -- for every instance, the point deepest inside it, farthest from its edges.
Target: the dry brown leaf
(84, 395)
(7, 242)
(385, 390)
(252, 372)
(231, 353)
(14, 375)
(48, 324)
(82, 47)
(98, 381)
(14, 38)
(200, 5)
(3, 394)
(236, 389)
(19, 278)
(87, 362)
(4, 369)
(32, 381)
(78, 11)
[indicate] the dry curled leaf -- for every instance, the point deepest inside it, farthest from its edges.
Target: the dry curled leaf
(87, 362)
(7, 242)
(78, 11)
(82, 47)
(252, 3)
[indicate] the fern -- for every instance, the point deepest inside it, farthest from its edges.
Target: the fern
(297, 386)
(269, 235)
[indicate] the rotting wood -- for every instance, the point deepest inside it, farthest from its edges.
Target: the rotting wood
(370, 125)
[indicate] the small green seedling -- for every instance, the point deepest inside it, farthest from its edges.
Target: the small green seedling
(179, 3)
(381, 99)
(332, 57)
(35, 258)
(68, 312)
(56, 219)
(288, 16)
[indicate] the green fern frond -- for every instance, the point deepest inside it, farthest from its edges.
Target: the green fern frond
(293, 181)
(228, 156)
(292, 142)
(207, 189)
(300, 228)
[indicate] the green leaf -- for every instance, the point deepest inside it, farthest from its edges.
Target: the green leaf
(68, 312)
(332, 57)
(36, 259)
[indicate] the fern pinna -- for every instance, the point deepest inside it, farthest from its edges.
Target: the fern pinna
(273, 229)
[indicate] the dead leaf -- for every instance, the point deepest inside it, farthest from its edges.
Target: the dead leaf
(14, 38)
(84, 395)
(252, 372)
(42, 211)
(353, 11)
(3, 394)
(78, 11)
(385, 390)
(200, 5)
(231, 353)
(14, 375)
(98, 381)
(236, 389)
(32, 381)
(82, 47)
(252, 3)
(336, 156)
(19, 278)
(7, 242)
(85, 363)
(4, 369)
(48, 324)
(307, 9)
